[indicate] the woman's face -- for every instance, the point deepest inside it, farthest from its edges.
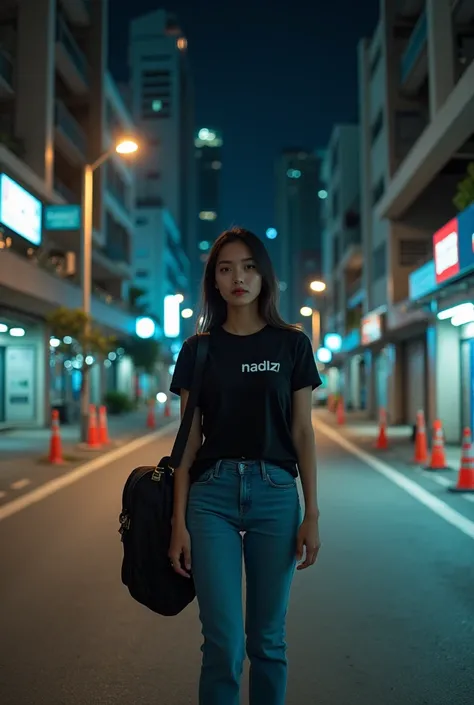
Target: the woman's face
(237, 278)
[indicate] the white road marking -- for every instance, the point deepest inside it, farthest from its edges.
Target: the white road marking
(436, 505)
(59, 483)
(437, 478)
(19, 484)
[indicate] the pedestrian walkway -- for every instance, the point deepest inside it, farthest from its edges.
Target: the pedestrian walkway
(364, 431)
(23, 453)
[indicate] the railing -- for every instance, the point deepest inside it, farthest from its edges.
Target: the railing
(415, 45)
(65, 36)
(117, 252)
(70, 126)
(6, 68)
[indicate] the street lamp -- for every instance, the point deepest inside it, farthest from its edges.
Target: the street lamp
(318, 287)
(306, 311)
(123, 147)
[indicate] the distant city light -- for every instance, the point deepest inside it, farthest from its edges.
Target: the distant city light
(322, 194)
(171, 316)
(17, 332)
(54, 342)
(204, 245)
(293, 173)
(306, 311)
(3, 328)
(157, 105)
(112, 356)
(67, 340)
(145, 327)
(271, 233)
(207, 215)
(187, 313)
(161, 398)
(324, 355)
(206, 135)
(179, 298)
(89, 360)
(182, 43)
(333, 342)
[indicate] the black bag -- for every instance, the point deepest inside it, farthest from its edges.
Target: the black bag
(145, 520)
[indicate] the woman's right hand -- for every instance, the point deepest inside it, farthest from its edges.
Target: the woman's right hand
(180, 546)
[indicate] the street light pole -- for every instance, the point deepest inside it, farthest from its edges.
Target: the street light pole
(125, 147)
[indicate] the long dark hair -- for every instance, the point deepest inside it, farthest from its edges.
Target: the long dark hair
(214, 308)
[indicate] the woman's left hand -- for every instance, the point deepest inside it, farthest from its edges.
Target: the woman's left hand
(308, 537)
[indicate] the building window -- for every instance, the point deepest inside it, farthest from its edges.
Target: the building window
(377, 126)
(207, 215)
(142, 274)
(141, 221)
(379, 261)
(155, 57)
(378, 191)
(216, 165)
(182, 43)
(153, 176)
(412, 253)
(142, 253)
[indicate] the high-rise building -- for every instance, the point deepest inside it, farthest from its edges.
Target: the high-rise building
(165, 212)
(296, 249)
(59, 109)
(208, 143)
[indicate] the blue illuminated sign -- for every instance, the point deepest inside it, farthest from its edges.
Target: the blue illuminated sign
(422, 281)
(466, 239)
(66, 217)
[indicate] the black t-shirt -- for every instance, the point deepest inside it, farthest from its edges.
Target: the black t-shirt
(246, 396)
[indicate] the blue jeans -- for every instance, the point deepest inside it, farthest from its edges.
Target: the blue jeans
(261, 500)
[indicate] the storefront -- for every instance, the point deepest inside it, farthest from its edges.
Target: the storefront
(467, 377)
(372, 334)
(22, 372)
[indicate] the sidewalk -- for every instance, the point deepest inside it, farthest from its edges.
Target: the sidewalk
(364, 432)
(23, 453)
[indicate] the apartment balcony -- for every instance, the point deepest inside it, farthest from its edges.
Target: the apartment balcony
(463, 11)
(112, 262)
(115, 204)
(78, 11)
(6, 75)
(71, 62)
(70, 138)
(414, 61)
(65, 191)
(355, 293)
(27, 284)
(410, 8)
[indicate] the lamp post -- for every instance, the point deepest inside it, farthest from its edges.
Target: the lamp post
(316, 287)
(125, 146)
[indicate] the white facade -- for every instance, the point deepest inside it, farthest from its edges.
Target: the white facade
(165, 214)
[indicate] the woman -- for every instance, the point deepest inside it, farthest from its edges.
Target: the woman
(236, 493)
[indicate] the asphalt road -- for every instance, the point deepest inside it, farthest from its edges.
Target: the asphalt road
(386, 617)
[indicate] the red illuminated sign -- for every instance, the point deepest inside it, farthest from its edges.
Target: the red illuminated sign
(371, 328)
(446, 251)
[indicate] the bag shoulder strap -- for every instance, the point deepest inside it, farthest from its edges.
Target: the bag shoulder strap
(196, 384)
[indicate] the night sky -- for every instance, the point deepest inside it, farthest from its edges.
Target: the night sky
(269, 73)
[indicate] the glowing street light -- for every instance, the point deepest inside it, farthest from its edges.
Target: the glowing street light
(179, 298)
(317, 286)
(187, 312)
(126, 146)
(306, 311)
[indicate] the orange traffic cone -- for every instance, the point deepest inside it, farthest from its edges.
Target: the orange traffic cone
(341, 418)
(103, 427)
(421, 447)
(466, 471)
(382, 440)
(438, 455)
(55, 449)
(93, 430)
(150, 419)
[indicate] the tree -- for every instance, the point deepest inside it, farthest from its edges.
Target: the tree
(75, 326)
(144, 353)
(465, 193)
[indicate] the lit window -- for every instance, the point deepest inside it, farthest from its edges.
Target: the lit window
(216, 165)
(182, 43)
(157, 105)
(207, 215)
(204, 245)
